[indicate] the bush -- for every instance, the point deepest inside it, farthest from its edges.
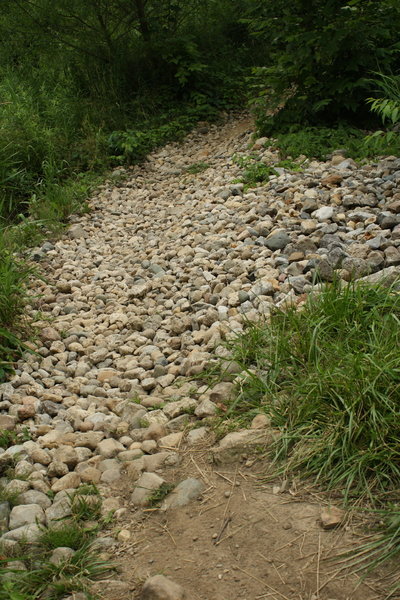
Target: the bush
(321, 56)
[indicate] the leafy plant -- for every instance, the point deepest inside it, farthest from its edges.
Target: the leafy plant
(53, 581)
(10, 438)
(388, 109)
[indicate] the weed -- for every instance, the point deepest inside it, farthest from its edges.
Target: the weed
(319, 142)
(7, 496)
(86, 508)
(11, 438)
(196, 168)
(87, 489)
(158, 495)
(255, 171)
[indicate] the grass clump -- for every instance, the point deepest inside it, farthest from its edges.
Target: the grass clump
(44, 579)
(71, 535)
(329, 377)
(50, 579)
(196, 168)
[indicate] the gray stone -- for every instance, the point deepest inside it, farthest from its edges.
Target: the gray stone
(109, 448)
(324, 213)
(206, 408)
(34, 497)
(147, 484)
(28, 533)
(277, 240)
(198, 436)
(185, 491)
(4, 515)
(26, 514)
(58, 511)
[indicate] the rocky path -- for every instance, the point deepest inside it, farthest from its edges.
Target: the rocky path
(139, 297)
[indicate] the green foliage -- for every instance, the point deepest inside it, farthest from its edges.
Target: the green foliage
(196, 168)
(10, 438)
(328, 376)
(44, 579)
(70, 535)
(14, 275)
(131, 146)
(159, 494)
(388, 109)
(319, 142)
(86, 507)
(321, 54)
(257, 172)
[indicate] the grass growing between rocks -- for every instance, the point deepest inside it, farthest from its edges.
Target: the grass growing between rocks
(328, 376)
(32, 570)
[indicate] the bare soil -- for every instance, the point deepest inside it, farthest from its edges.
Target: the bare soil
(242, 541)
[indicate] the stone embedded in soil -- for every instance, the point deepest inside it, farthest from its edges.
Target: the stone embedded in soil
(238, 444)
(160, 587)
(145, 487)
(186, 491)
(332, 517)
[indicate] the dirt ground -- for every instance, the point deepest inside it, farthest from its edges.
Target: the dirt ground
(242, 541)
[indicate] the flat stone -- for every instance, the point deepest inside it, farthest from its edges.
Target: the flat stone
(61, 554)
(238, 443)
(206, 408)
(34, 497)
(277, 240)
(260, 421)
(198, 435)
(174, 409)
(324, 213)
(58, 511)
(109, 448)
(172, 440)
(7, 422)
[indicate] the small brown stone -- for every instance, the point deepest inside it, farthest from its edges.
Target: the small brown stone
(332, 517)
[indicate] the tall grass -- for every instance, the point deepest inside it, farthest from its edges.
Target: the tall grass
(329, 377)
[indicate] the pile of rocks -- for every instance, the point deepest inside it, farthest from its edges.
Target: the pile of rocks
(145, 288)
